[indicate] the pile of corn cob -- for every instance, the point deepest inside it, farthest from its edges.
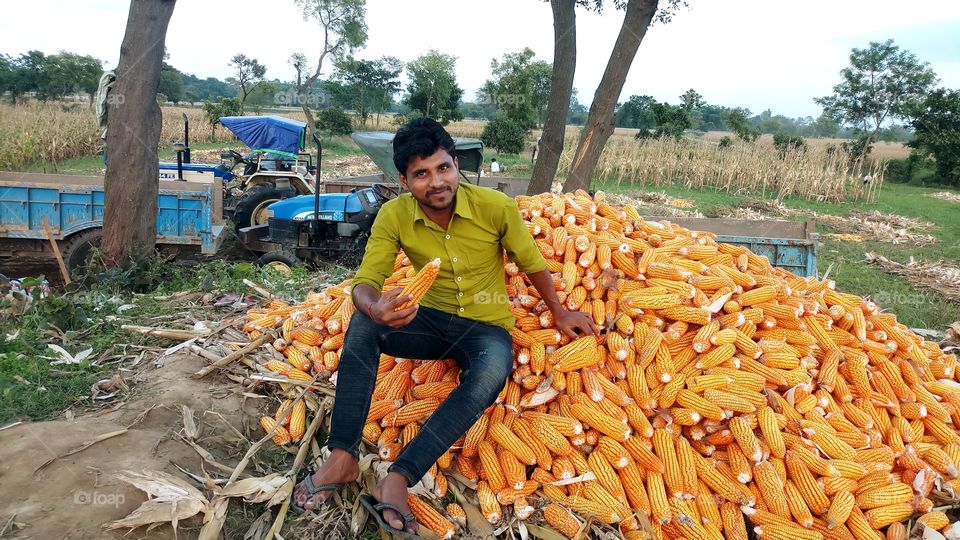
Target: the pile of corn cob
(722, 391)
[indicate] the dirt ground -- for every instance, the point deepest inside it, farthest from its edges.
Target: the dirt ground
(73, 497)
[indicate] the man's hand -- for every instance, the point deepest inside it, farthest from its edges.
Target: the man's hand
(574, 323)
(382, 311)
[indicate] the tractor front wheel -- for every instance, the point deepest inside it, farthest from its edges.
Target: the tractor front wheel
(252, 206)
(283, 261)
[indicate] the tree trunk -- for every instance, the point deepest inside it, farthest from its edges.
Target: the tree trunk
(561, 89)
(131, 184)
(599, 124)
(302, 95)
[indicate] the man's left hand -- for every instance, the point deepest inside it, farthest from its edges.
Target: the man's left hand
(574, 323)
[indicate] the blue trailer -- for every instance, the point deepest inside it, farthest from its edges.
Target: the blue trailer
(791, 245)
(189, 214)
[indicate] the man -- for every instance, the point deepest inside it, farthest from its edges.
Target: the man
(464, 316)
(494, 166)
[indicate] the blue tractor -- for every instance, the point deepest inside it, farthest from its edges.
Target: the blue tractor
(335, 226)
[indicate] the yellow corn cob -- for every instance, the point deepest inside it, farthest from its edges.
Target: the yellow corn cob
(414, 411)
(491, 466)
(561, 519)
(595, 417)
(606, 475)
(659, 506)
(776, 531)
(811, 492)
(879, 518)
(578, 354)
(771, 488)
(934, 520)
(897, 531)
(509, 440)
(280, 434)
(418, 287)
(427, 516)
(298, 420)
(798, 506)
(843, 502)
(488, 503)
(892, 494)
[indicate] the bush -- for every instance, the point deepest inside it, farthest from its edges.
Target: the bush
(725, 142)
(507, 136)
(334, 121)
(915, 169)
(785, 143)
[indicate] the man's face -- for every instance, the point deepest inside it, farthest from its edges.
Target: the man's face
(432, 180)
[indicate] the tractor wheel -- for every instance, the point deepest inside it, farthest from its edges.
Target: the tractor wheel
(252, 206)
(77, 248)
(283, 261)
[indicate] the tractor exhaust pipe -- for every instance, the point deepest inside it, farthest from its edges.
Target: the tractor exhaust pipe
(315, 224)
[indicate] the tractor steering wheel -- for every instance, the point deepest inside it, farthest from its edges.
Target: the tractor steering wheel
(237, 156)
(384, 192)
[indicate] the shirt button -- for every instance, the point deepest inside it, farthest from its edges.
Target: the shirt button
(461, 294)
(459, 278)
(454, 259)
(461, 310)
(448, 237)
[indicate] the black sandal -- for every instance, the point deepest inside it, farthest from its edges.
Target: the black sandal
(375, 507)
(314, 489)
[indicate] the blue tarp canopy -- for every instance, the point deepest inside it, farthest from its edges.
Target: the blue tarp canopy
(274, 134)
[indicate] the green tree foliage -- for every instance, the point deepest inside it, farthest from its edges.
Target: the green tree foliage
(519, 88)
(344, 29)
(49, 76)
(171, 83)
(882, 83)
(936, 126)
(636, 113)
(250, 74)
(365, 86)
(209, 89)
(738, 122)
(577, 112)
(214, 110)
(669, 121)
(788, 143)
(825, 126)
(506, 135)
(433, 89)
(335, 121)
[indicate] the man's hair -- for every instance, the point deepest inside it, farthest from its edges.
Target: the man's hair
(420, 137)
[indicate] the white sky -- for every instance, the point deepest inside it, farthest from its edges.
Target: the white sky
(760, 54)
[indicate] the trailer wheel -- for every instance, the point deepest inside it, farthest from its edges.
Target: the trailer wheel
(78, 246)
(283, 261)
(252, 206)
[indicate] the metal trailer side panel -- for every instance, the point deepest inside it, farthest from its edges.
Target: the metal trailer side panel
(187, 213)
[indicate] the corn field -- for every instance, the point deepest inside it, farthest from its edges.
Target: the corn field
(741, 169)
(53, 132)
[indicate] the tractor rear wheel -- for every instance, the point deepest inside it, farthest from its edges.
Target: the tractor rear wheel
(252, 206)
(77, 248)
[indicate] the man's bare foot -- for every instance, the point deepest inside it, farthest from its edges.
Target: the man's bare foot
(341, 467)
(393, 490)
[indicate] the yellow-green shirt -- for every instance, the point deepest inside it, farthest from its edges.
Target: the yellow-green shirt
(470, 284)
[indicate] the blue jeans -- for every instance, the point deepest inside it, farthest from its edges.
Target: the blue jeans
(483, 352)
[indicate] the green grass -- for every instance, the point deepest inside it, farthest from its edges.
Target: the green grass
(914, 306)
(87, 317)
